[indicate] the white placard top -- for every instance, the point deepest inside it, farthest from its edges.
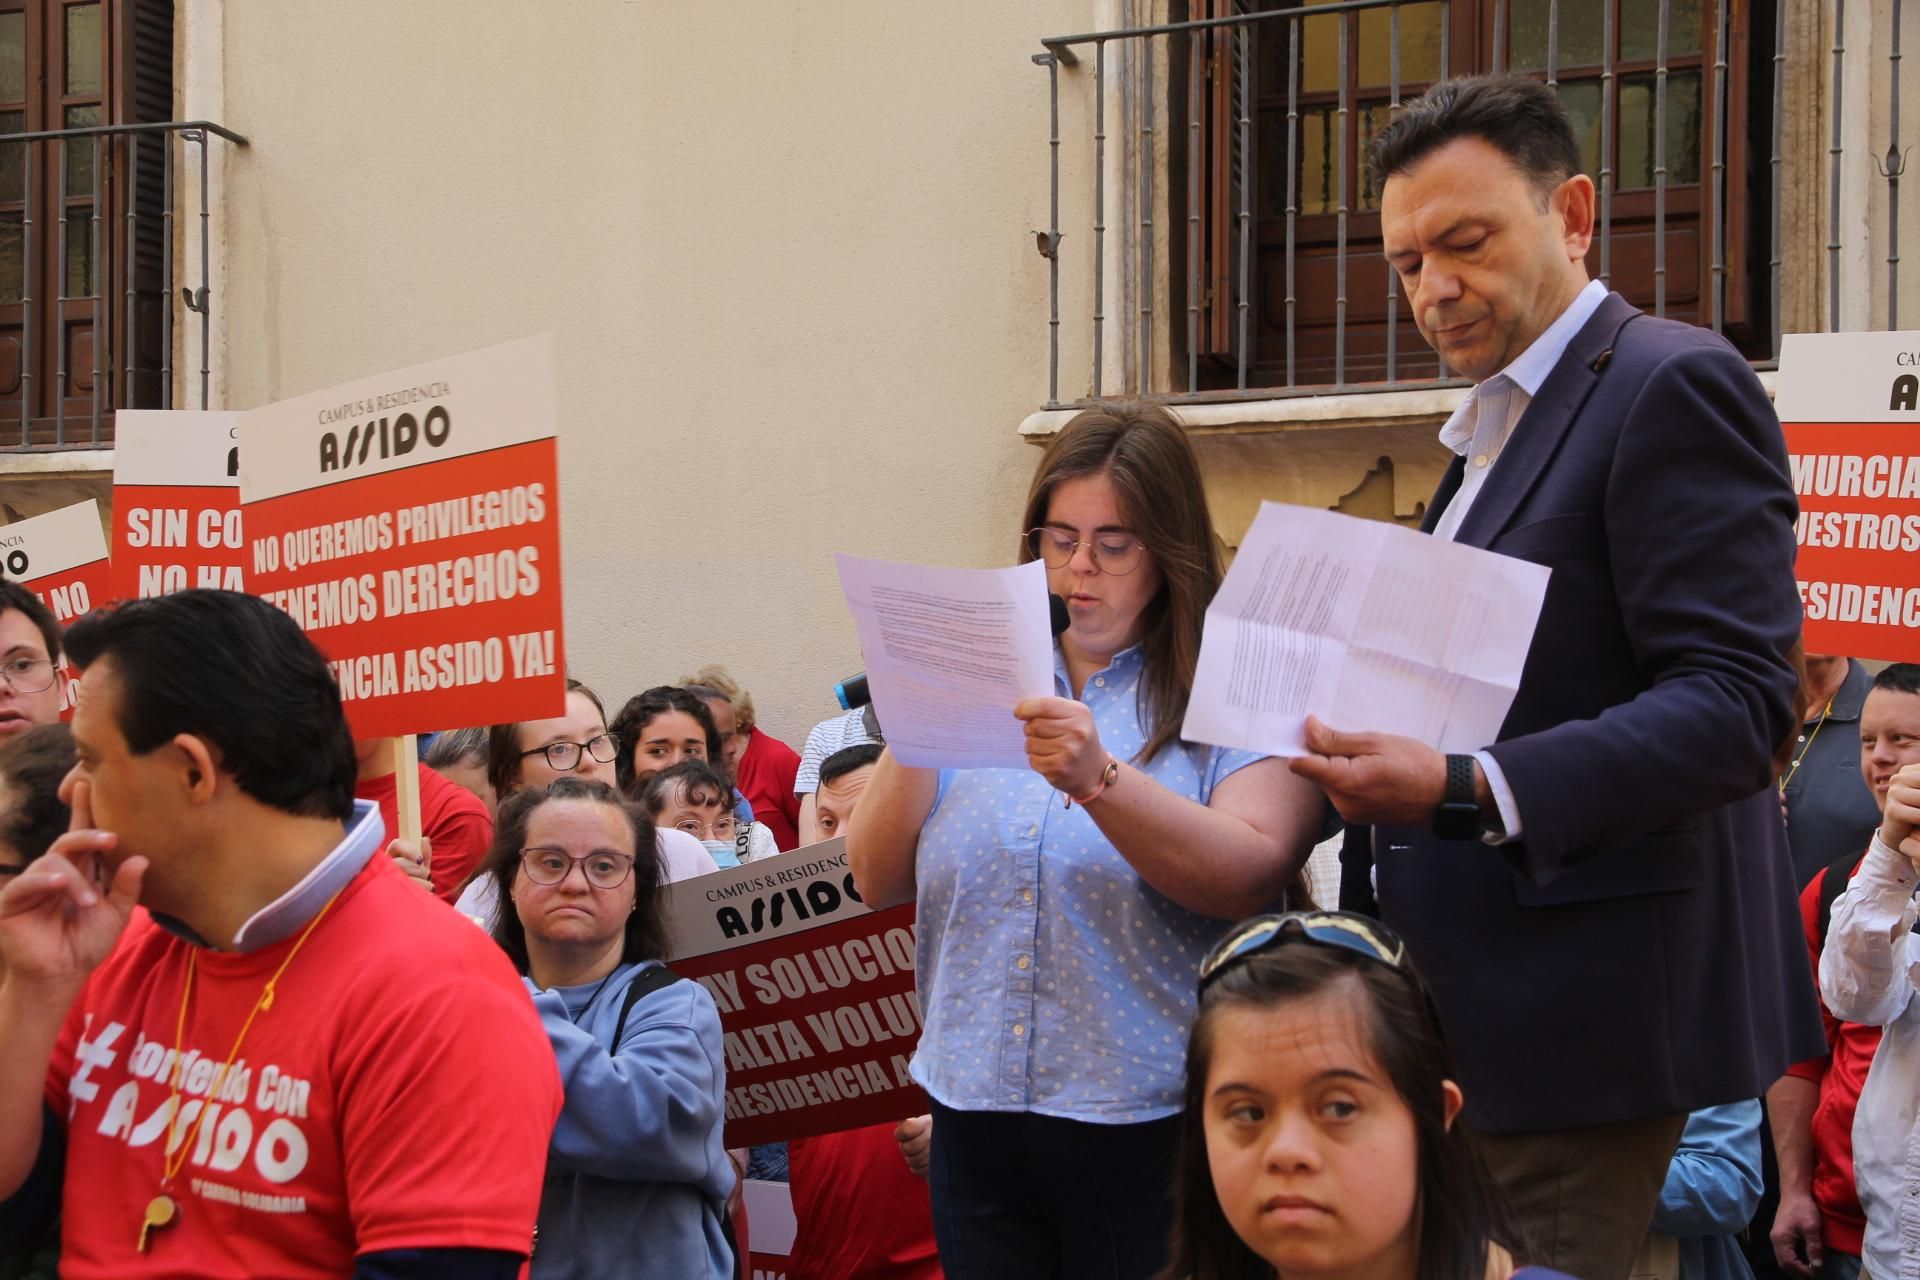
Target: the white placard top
(448, 408)
(177, 447)
(41, 546)
(1849, 377)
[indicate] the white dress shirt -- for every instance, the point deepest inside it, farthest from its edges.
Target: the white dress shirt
(1868, 972)
(1478, 431)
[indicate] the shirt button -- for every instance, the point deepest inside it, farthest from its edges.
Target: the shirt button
(1019, 1030)
(1033, 830)
(1026, 895)
(1100, 682)
(1025, 963)
(1480, 461)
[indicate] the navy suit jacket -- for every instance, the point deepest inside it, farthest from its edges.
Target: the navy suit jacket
(1637, 952)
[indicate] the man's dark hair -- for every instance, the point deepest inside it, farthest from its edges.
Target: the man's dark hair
(239, 674)
(646, 935)
(15, 596)
(32, 767)
(1901, 677)
(1519, 117)
(847, 759)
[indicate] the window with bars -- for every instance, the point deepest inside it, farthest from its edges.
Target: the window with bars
(80, 217)
(1322, 307)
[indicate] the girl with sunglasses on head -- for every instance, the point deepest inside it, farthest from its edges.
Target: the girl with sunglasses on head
(637, 1180)
(1322, 1133)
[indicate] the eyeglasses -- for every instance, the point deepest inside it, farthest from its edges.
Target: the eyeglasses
(722, 827)
(565, 755)
(1340, 929)
(28, 675)
(603, 868)
(1115, 553)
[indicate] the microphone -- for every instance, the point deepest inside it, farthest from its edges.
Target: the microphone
(853, 691)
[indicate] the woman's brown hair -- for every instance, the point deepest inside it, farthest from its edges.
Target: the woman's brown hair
(503, 745)
(1156, 480)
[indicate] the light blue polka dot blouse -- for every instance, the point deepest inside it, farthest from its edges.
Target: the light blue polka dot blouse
(1051, 977)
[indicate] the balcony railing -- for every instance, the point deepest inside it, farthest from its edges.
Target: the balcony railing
(1244, 136)
(90, 308)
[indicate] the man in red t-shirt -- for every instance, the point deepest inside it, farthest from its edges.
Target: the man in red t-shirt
(454, 821)
(291, 1063)
(1820, 1222)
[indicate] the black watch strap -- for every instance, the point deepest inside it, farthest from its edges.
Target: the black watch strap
(1458, 817)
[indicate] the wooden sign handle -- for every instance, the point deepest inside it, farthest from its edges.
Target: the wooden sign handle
(406, 786)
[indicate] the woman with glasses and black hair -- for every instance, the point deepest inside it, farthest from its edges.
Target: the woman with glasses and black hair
(1063, 907)
(531, 754)
(637, 1180)
(1322, 1132)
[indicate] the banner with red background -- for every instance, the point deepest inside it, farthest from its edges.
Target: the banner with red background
(1850, 406)
(411, 524)
(815, 991)
(62, 558)
(176, 502)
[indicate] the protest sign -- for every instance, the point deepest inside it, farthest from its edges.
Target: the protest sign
(1850, 406)
(410, 523)
(816, 994)
(62, 558)
(771, 1229)
(176, 502)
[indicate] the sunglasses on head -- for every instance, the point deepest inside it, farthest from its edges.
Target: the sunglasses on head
(1340, 929)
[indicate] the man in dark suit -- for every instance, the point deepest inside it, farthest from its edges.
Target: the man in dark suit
(1602, 898)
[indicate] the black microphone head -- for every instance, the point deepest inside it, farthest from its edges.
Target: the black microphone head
(1061, 618)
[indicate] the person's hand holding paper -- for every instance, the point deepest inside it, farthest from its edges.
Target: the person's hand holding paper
(950, 653)
(1365, 651)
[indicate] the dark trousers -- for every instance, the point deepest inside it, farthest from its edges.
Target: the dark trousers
(1584, 1197)
(1018, 1195)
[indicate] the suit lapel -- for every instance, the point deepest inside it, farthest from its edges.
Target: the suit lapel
(1537, 436)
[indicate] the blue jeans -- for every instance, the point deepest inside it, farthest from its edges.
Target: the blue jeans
(1018, 1196)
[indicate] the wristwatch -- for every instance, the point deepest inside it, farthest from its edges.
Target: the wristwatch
(1458, 817)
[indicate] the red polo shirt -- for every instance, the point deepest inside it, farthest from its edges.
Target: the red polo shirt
(1841, 1075)
(452, 819)
(765, 778)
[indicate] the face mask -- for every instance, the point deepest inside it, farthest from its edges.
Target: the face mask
(723, 853)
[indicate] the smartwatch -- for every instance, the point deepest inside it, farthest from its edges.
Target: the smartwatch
(1458, 817)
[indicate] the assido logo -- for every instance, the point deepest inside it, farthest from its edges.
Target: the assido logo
(385, 438)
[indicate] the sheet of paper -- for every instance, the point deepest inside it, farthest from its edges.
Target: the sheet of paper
(949, 653)
(1367, 626)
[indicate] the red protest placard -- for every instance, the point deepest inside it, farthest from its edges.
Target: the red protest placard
(1850, 406)
(411, 524)
(176, 502)
(62, 558)
(816, 994)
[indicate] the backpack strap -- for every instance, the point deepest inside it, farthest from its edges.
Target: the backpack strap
(1833, 883)
(650, 980)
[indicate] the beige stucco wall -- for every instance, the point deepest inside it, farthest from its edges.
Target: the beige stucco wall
(787, 251)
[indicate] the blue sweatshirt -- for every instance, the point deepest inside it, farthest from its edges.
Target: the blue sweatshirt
(1712, 1187)
(637, 1178)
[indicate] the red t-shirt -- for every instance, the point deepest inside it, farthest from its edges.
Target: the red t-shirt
(858, 1211)
(765, 777)
(1841, 1075)
(399, 1093)
(451, 817)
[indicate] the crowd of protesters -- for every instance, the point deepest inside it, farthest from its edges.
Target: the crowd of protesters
(1629, 991)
